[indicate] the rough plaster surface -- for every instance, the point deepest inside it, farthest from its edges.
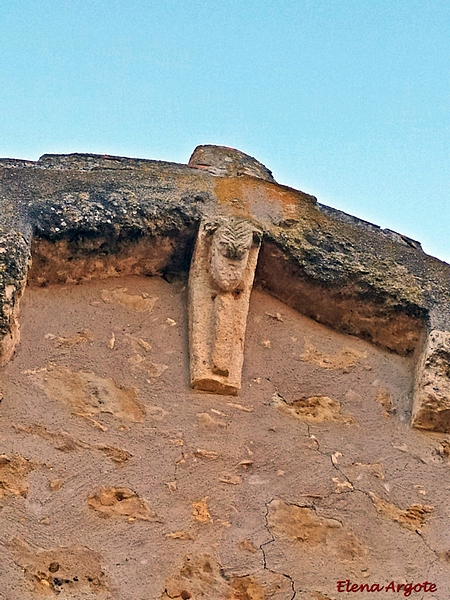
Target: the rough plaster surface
(118, 481)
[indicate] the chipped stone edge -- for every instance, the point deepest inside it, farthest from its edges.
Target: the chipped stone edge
(15, 260)
(431, 406)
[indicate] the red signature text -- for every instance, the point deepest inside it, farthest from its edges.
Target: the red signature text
(406, 589)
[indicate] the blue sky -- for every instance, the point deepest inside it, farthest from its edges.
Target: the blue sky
(346, 99)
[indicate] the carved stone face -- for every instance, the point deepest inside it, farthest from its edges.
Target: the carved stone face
(230, 247)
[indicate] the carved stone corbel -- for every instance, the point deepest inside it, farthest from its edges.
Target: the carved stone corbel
(220, 283)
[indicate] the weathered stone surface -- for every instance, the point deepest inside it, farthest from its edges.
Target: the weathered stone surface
(301, 525)
(412, 518)
(15, 257)
(220, 283)
(120, 502)
(432, 384)
(228, 162)
(202, 576)
(13, 473)
(89, 216)
(74, 570)
(87, 394)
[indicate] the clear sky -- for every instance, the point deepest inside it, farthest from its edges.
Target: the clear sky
(346, 99)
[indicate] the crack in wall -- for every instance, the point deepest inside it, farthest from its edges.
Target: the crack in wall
(271, 541)
(367, 494)
(353, 488)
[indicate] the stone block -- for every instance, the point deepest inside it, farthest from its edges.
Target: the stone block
(431, 408)
(228, 162)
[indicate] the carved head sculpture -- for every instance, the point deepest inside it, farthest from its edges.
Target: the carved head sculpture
(230, 248)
